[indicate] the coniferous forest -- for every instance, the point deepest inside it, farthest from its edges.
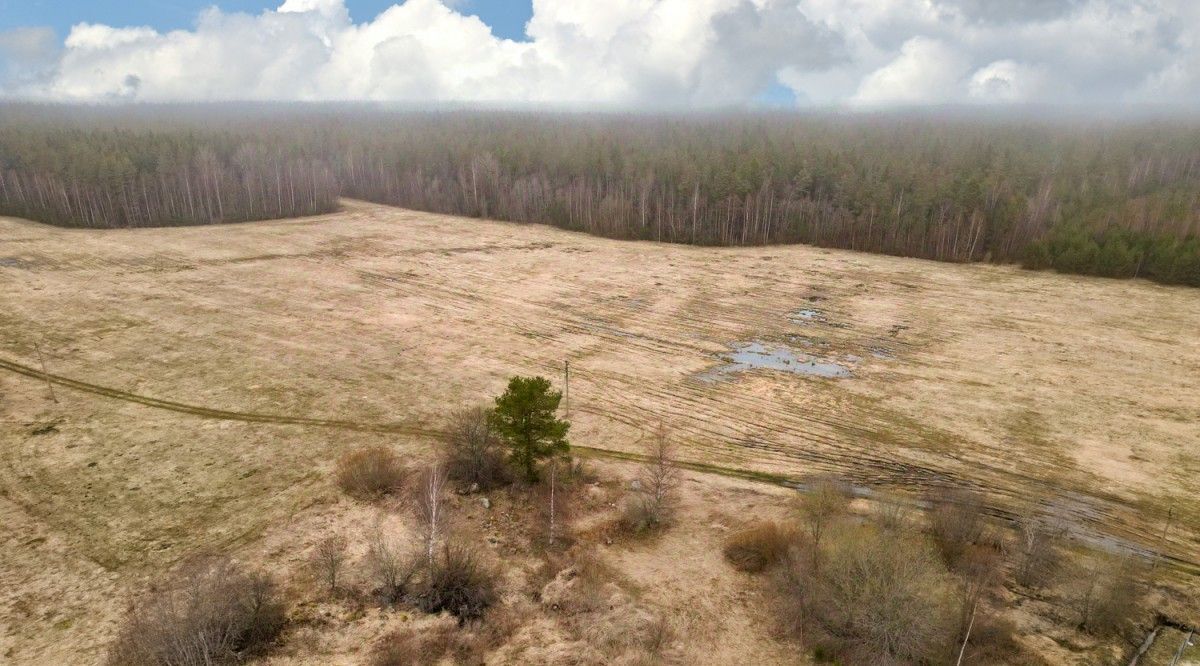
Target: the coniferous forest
(1109, 197)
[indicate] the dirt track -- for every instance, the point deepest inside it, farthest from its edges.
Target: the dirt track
(1079, 394)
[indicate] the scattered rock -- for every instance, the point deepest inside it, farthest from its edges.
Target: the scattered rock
(485, 502)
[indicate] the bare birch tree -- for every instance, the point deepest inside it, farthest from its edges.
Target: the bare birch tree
(430, 505)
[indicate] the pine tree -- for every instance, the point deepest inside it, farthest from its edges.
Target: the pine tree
(525, 418)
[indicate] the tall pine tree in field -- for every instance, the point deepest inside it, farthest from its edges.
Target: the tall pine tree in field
(525, 418)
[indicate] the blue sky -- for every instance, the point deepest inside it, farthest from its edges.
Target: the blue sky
(507, 18)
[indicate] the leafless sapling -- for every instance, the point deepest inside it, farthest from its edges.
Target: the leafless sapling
(430, 505)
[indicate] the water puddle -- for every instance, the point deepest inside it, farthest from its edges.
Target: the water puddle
(15, 262)
(756, 355)
(807, 315)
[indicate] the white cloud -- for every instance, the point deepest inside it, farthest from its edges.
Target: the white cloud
(1007, 81)
(926, 70)
(637, 52)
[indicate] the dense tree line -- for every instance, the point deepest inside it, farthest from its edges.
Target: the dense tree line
(101, 178)
(1105, 197)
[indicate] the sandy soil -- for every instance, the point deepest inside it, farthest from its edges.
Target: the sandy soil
(217, 371)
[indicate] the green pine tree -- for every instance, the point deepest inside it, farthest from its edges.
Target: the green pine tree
(525, 419)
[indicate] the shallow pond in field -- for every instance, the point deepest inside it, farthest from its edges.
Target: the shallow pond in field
(756, 355)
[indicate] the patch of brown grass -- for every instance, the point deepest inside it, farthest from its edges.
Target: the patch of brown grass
(758, 546)
(370, 472)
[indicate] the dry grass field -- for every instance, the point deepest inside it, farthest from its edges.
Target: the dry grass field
(206, 378)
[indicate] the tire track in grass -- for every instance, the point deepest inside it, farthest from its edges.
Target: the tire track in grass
(794, 483)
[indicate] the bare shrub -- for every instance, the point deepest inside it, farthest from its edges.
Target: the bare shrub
(475, 456)
(891, 513)
(758, 546)
(389, 567)
(993, 642)
(956, 523)
(826, 501)
(638, 514)
(979, 570)
(327, 560)
(212, 612)
(1038, 555)
(653, 503)
(876, 599)
(458, 585)
(1105, 593)
(370, 472)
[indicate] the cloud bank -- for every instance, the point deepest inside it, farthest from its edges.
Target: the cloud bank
(637, 53)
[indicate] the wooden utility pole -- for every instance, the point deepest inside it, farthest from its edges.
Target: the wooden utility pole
(46, 375)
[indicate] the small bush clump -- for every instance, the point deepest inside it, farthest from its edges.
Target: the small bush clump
(758, 547)
(457, 584)
(639, 514)
(875, 599)
(370, 472)
(957, 524)
(475, 456)
(213, 612)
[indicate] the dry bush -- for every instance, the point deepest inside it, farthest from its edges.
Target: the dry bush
(993, 641)
(1038, 553)
(980, 570)
(475, 455)
(389, 567)
(212, 612)
(825, 502)
(638, 514)
(892, 513)
(327, 560)
(876, 599)
(653, 503)
(758, 546)
(475, 641)
(956, 523)
(1105, 592)
(458, 585)
(370, 472)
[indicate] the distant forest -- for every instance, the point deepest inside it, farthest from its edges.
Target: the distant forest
(1117, 198)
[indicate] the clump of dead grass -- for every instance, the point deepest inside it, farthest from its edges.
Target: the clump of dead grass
(758, 546)
(370, 472)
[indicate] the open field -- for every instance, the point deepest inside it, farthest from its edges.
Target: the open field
(209, 376)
